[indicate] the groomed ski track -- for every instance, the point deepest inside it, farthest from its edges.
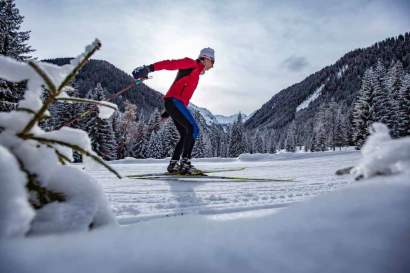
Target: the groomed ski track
(135, 200)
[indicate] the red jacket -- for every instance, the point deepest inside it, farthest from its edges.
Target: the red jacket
(187, 78)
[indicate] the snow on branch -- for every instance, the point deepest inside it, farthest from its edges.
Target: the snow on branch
(53, 186)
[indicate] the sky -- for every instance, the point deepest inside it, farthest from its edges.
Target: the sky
(261, 47)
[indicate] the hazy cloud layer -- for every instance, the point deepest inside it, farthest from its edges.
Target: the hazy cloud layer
(261, 46)
(294, 63)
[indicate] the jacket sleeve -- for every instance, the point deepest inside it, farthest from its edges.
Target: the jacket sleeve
(174, 64)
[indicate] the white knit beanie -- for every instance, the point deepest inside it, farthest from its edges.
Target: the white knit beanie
(207, 53)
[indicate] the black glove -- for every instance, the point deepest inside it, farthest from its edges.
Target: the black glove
(142, 72)
(164, 114)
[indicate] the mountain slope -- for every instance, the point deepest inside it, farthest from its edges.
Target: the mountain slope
(113, 80)
(339, 82)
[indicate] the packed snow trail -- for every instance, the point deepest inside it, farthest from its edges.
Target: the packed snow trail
(134, 200)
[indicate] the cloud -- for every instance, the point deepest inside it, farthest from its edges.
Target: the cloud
(295, 63)
(261, 46)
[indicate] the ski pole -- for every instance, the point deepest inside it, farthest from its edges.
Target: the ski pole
(134, 83)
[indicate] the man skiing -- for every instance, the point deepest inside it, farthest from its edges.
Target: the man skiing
(176, 101)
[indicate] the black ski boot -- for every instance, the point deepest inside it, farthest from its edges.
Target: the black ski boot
(173, 167)
(186, 168)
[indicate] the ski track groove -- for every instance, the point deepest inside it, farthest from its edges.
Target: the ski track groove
(136, 200)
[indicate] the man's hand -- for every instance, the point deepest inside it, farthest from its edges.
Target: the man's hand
(141, 72)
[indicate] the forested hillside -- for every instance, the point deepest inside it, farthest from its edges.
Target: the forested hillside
(295, 111)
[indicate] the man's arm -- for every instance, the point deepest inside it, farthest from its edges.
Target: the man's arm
(143, 71)
(174, 64)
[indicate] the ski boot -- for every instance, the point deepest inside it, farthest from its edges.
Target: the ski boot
(173, 167)
(186, 168)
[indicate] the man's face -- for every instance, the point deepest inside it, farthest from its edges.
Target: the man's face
(208, 64)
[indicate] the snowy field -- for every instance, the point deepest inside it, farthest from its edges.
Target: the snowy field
(313, 173)
(317, 223)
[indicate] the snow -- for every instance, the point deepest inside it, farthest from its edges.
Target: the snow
(107, 110)
(16, 213)
(28, 153)
(205, 113)
(137, 200)
(349, 227)
(382, 155)
(217, 119)
(311, 98)
(342, 71)
(85, 203)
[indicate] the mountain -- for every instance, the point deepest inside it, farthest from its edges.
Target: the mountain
(217, 119)
(114, 80)
(223, 120)
(205, 113)
(339, 83)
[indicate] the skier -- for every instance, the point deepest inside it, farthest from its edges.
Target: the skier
(176, 101)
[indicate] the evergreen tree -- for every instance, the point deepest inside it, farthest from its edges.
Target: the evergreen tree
(100, 130)
(153, 126)
(403, 113)
(393, 84)
(383, 111)
(155, 147)
(171, 137)
(258, 145)
(341, 131)
(237, 144)
(290, 145)
(363, 111)
(139, 141)
(330, 123)
(202, 147)
(12, 44)
(320, 132)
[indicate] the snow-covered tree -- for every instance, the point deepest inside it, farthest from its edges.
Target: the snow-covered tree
(363, 109)
(13, 43)
(39, 183)
(290, 142)
(155, 147)
(237, 144)
(341, 129)
(320, 131)
(154, 124)
(258, 144)
(203, 146)
(170, 137)
(403, 113)
(100, 130)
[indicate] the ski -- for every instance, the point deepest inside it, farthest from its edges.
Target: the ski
(198, 178)
(205, 172)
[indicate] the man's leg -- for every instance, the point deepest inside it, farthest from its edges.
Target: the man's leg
(188, 130)
(180, 145)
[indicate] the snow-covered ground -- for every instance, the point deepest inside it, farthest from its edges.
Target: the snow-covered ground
(348, 227)
(134, 199)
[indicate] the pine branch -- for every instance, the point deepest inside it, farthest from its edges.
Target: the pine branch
(81, 100)
(62, 158)
(44, 195)
(73, 73)
(72, 146)
(52, 88)
(21, 109)
(45, 77)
